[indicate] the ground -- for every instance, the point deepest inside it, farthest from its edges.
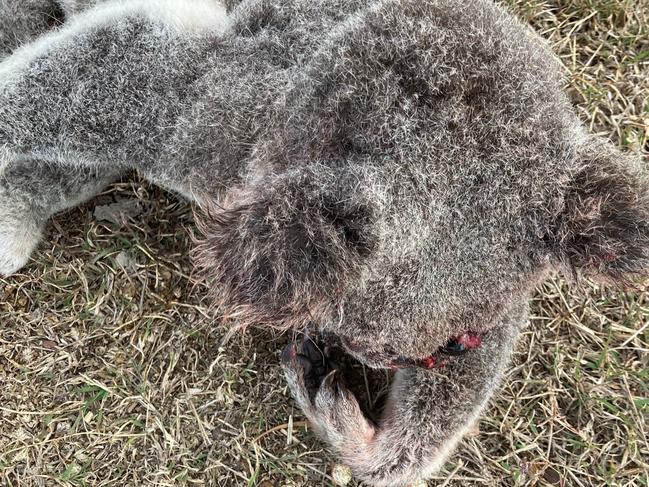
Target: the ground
(112, 372)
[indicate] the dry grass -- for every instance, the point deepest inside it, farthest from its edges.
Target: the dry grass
(111, 372)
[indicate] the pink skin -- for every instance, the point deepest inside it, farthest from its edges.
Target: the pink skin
(470, 340)
(431, 362)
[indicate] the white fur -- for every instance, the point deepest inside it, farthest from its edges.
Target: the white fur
(18, 239)
(197, 16)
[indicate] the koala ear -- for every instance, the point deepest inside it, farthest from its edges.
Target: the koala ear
(603, 229)
(280, 252)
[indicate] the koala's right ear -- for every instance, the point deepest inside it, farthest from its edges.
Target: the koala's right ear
(603, 229)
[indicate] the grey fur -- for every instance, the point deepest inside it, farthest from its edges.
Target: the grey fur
(23, 20)
(391, 173)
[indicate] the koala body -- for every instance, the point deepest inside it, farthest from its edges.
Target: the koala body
(396, 175)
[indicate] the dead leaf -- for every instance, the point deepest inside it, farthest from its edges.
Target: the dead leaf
(119, 212)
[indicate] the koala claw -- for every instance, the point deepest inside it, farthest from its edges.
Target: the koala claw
(307, 364)
(320, 391)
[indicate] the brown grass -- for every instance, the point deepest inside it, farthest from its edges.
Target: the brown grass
(111, 372)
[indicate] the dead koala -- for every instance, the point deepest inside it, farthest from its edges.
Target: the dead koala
(401, 174)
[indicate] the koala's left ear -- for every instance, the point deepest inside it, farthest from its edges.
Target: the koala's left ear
(603, 230)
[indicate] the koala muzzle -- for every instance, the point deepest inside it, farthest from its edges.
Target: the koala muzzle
(454, 347)
(462, 344)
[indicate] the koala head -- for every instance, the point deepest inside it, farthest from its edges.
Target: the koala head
(424, 173)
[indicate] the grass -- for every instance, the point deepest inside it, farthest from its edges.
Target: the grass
(111, 373)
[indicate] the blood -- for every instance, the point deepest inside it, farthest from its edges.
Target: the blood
(430, 362)
(455, 347)
(470, 340)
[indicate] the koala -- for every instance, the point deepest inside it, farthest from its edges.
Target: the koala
(395, 176)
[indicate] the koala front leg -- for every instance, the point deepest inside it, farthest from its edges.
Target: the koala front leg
(426, 416)
(22, 21)
(31, 192)
(87, 102)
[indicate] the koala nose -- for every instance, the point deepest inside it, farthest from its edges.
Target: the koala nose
(462, 344)
(453, 347)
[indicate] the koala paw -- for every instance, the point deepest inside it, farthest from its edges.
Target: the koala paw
(17, 242)
(321, 392)
(306, 366)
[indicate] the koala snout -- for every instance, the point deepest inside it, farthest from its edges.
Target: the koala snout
(455, 347)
